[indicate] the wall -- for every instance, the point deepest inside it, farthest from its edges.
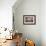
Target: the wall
(43, 22)
(28, 7)
(6, 13)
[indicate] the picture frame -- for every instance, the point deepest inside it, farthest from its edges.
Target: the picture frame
(29, 19)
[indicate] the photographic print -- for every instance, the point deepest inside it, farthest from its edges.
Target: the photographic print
(29, 19)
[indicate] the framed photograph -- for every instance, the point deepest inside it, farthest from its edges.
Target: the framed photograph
(29, 19)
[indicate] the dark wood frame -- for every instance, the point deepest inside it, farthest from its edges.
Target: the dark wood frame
(29, 23)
